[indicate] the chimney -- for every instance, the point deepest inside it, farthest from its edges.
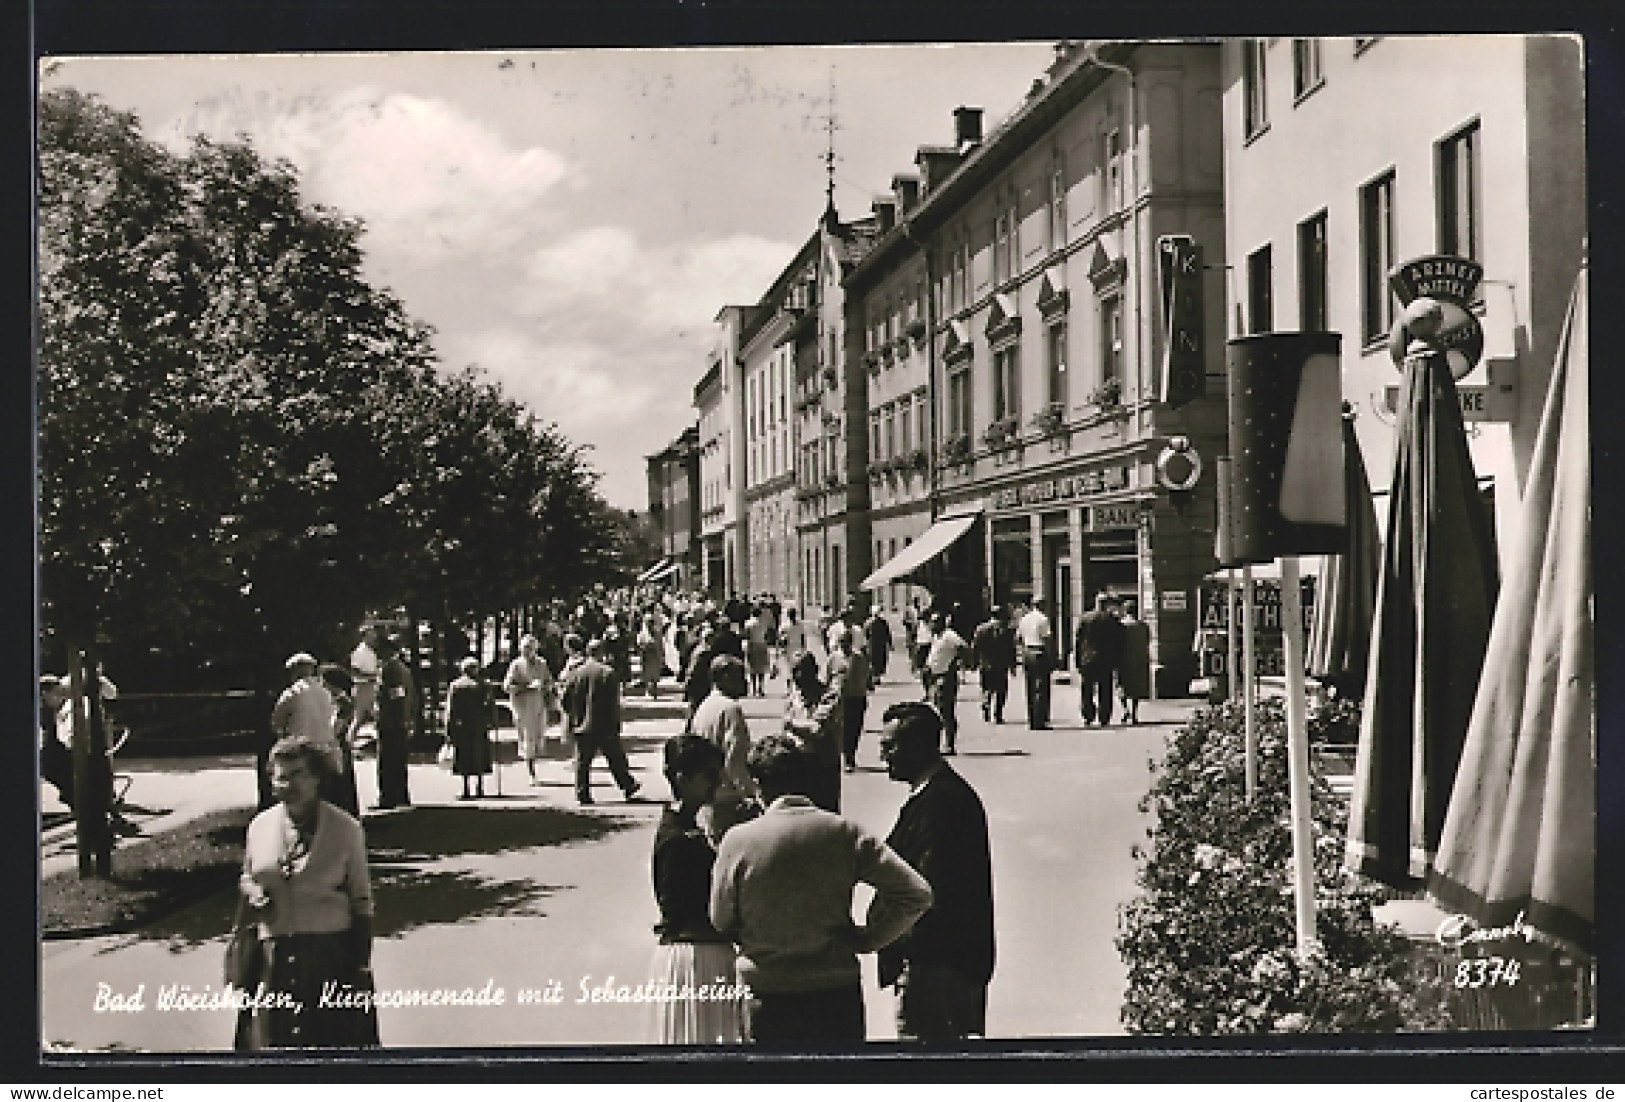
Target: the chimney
(885, 214)
(936, 164)
(907, 190)
(967, 126)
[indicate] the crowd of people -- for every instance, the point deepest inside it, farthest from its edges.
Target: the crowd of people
(754, 866)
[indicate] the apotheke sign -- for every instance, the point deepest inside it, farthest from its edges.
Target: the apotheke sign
(1089, 483)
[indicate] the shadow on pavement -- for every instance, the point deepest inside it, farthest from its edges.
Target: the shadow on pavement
(430, 833)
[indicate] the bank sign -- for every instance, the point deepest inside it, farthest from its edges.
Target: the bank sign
(1057, 490)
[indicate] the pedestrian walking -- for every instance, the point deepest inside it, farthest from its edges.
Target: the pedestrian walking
(942, 967)
(911, 635)
(364, 668)
(943, 660)
(782, 889)
(397, 702)
(877, 632)
(305, 710)
(796, 637)
(993, 646)
(849, 676)
(55, 756)
(1099, 651)
(697, 676)
(591, 697)
(813, 713)
(340, 687)
(306, 889)
(720, 720)
(758, 655)
(1037, 641)
(530, 686)
(1134, 676)
(651, 657)
(921, 642)
(468, 727)
(692, 955)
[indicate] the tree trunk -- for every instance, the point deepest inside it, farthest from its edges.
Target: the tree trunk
(91, 783)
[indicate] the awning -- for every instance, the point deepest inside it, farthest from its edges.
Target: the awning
(654, 571)
(936, 540)
(661, 574)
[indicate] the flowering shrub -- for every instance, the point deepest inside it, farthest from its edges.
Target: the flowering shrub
(1210, 942)
(1049, 418)
(956, 449)
(1001, 433)
(1335, 723)
(1108, 395)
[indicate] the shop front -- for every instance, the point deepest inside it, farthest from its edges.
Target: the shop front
(1063, 540)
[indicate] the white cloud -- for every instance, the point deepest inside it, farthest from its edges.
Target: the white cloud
(430, 181)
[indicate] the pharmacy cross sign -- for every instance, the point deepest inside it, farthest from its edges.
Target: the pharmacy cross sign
(1450, 281)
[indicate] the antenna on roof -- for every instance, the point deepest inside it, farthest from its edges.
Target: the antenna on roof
(829, 148)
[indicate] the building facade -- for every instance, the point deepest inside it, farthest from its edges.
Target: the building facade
(674, 506)
(1038, 247)
(1477, 151)
(768, 352)
(721, 412)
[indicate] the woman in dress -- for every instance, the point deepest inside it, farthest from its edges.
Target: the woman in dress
(306, 888)
(691, 952)
(530, 690)
(1134, 679)
(813, 714)
(651, 656)
(758, 653)
(468, 727)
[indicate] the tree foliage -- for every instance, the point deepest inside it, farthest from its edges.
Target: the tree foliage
(244, 446)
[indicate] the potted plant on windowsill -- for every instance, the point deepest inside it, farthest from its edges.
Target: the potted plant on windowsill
(831, 376)
(1001, 433)
(916, 331)
(1108, 396)
(920, 459)
(956, 449)
(1049, 420)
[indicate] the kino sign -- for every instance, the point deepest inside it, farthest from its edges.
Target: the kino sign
(1451, 282)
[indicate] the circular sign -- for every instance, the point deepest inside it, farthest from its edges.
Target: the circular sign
(1179, 468)
(1458, 334)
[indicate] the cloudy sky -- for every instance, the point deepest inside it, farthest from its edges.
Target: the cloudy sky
(571, 221)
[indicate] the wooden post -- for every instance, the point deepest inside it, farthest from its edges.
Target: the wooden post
(1297, 743)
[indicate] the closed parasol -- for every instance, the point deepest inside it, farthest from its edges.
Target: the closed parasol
(1340, 636)
(1520, 834)
(1435, 596)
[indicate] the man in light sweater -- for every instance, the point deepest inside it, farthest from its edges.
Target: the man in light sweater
(782, 888)
(720, 720)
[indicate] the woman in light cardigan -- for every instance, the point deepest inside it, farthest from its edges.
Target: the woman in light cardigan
(306, 886)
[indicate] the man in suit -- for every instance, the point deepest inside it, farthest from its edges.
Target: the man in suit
(590, 694)
(994, 646)
(397, 704)
(1099, 652)
(942, 967)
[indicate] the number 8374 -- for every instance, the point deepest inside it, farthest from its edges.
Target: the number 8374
(1487, 972)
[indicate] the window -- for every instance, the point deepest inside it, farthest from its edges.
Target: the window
(1007, 383)
(1306, 71)
(1459, 205)
(1260, 279)
(874, 437)
(921, 419)
(1111, 338)
(1057, 205)
(1313, 290)
(1006, 247)
(959, 402)
(1056, 342)
(888, 434)
(1113, 161)
(1376, 256)
(905, 426)
(1254, 104)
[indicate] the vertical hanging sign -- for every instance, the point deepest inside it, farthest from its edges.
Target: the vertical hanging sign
(1184, 371)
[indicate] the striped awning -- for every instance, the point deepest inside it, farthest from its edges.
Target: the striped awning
(937, 539)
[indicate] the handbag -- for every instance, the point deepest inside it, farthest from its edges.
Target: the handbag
(245, 955)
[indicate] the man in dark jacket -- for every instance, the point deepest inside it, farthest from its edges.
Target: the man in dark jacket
(1099, 652)
(590, 694)
(994, 646)
(397, 704)
(942, 967)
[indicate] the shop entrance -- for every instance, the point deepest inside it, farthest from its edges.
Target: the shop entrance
(1058, 583)
(1113, 564)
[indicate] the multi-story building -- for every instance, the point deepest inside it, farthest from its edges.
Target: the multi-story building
(674, 507)
(832, 494)
(1037, 248)
(1345, 156)
(767, 350)
(722, 485)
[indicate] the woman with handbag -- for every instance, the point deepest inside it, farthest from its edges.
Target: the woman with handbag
(307, 898)
(530, 695)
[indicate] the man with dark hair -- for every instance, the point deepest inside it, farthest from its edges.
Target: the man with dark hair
(1099, 651)
(943, 660)
(782, 889)
(994, 646)
(940, 968)
(849, 677)
(397, 700)
(590, 695)
(720, 720)
(1037, 660)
